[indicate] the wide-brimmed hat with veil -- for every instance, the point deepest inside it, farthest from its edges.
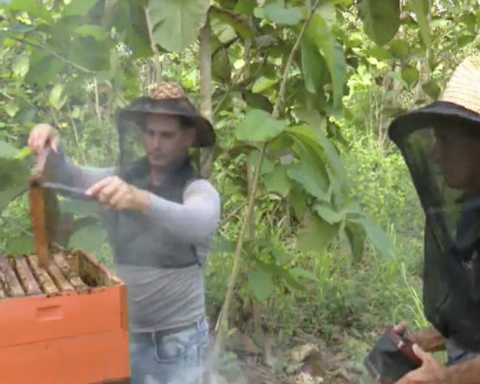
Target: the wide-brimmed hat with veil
(458, 109)
(167, 98)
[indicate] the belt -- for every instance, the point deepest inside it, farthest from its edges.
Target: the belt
(147, 336)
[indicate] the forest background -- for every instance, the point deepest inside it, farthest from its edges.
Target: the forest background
(320, 243)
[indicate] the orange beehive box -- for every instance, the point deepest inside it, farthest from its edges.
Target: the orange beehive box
(63, 324)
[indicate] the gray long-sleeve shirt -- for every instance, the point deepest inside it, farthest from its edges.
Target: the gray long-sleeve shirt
(160, 299)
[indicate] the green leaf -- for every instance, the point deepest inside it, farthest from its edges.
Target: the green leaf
(15, 186)
(378, 237)
(7, 151)
(320, 35)
(381, 19)
(432, 89)
(298, 201)
(12, 108)
(89, 239)
(328, 12)
(279, 14)
(308, 176)
(267, 165)
(237, 24)
(300, 272)
(378, 53)
(20, 65)
(257, 101)
(21, 245)
(79, 7)
(328, 214)
(315, 234)
(32, 7)
(263, 83)
(421, 9)
(260, 283)
(79, 208)
(400, 49)
(176, 22)
(57, 98)
(259, 126)
(89, 30)
(410, 75)
(221, 66)
(313, 66)
(43, 68)
(356, 238)
(277, 181)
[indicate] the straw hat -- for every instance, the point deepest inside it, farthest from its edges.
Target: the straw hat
(460, 101)
(167, 99)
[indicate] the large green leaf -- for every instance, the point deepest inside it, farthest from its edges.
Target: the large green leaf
(260, 283)
(277, 181)
(381, 19)
(326, 212)
(23, 244)
(410, 75)
(421, 9)
(237, 23)
(320, 35)
(9, 192)
(315, 234)
(57, 97)
(79, 208)
(259, 126)
(378, 237)
(43, 68)
(79, 7)
(20, 65)
(313, 66)
(356, 238)
(176, 22)
(277, 13)
(32, 8)
(432, 89)
(314, 136)
(7, 151)
(309, 176)
(89, 30)
(89, 239)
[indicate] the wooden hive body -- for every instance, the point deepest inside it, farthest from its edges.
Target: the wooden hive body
(65, 324)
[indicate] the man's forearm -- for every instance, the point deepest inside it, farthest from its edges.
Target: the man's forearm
(193, 221)
(464, 373)
(59, 169)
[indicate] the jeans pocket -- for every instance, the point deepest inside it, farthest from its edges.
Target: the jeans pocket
(169, 350)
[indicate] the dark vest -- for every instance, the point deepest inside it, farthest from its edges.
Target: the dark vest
(452, 282)
(135, 241)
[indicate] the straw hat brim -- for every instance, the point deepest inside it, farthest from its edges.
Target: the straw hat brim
(440, 113)
(135, 112)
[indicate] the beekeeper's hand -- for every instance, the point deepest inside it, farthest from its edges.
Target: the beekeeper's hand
(431, 371)
(42, 137)
(119, 195)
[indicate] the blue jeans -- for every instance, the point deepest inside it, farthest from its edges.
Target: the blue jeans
(457, 355)
(175, 358)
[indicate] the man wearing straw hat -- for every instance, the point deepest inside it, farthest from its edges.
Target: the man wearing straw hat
(160, 218)
(441, 147)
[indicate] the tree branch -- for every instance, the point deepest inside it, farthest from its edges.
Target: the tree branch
(222, 321)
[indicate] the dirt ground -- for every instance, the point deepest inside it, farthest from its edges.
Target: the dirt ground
(308, 360)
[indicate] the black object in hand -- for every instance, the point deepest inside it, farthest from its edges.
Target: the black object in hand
(391, 358)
